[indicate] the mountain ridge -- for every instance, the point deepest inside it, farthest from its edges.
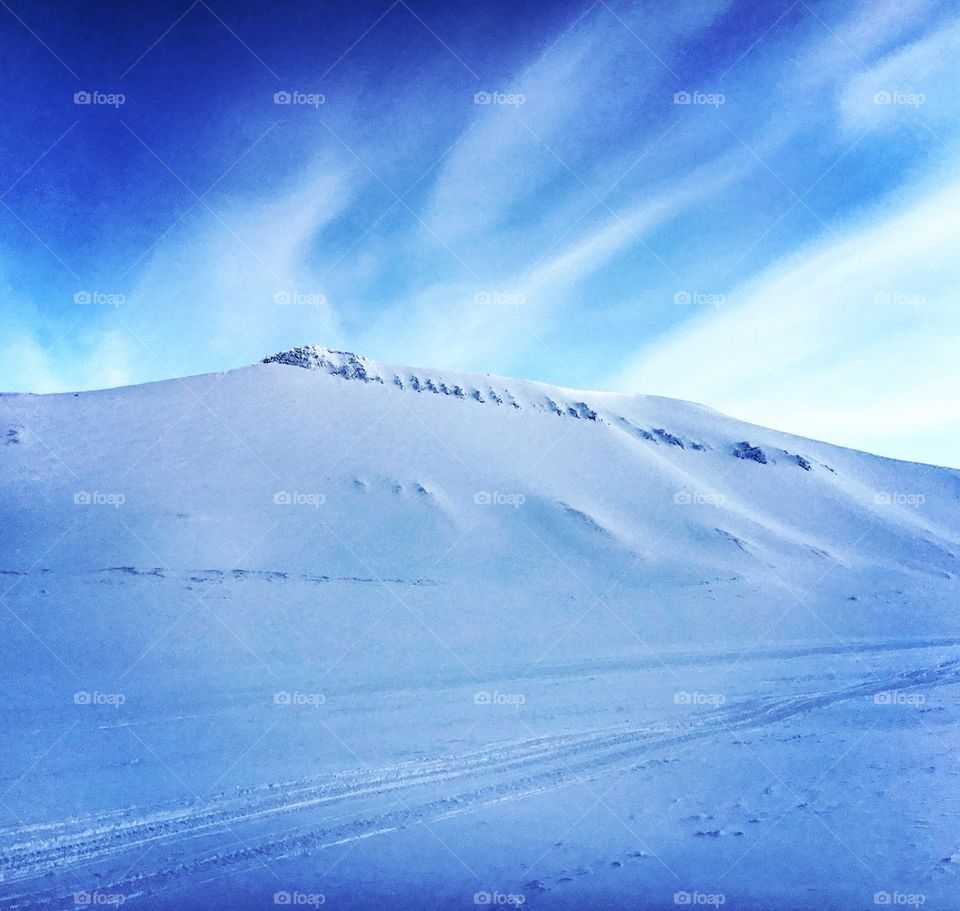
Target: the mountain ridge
(487, 388)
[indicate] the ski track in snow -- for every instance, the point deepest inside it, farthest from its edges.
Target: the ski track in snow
(451, 784)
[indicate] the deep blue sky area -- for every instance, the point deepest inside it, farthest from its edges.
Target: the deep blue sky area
(749, 204)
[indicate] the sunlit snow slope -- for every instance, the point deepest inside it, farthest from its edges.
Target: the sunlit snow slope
(329, 528)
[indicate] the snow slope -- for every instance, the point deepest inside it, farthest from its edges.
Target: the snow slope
(325, 629)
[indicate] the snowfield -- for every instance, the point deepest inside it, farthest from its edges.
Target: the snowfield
(325, 631)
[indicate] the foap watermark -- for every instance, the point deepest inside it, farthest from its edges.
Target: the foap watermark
(507, 99)
(90, 899)
(899, 299)
(499, 898)
(698, 498)
(498, 498)
(902, 99)
(299, 299)
(98, 498)
(714, 899)
(895, 697)
(106, 99)
(496, 698)
(286, 697)
(306, 99)
(683, 697)
(308, 899)
(914, 899)
(699, 299)
(84, 697)
(99, 299)
(499, 298)
(899, 498)
(708, 99)
(296, 498)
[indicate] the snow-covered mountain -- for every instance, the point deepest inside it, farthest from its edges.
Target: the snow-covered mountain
(255, 618)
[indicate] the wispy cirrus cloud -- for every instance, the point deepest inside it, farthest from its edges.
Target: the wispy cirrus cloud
(853, 341)
(550, 235)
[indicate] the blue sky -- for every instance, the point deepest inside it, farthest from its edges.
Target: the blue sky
(754, 205)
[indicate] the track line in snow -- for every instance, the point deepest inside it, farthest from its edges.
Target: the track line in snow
(429, 789)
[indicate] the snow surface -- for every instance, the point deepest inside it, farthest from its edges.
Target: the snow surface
(372, 636)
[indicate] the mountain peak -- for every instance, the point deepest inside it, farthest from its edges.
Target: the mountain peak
(340, 363)
(484, 390)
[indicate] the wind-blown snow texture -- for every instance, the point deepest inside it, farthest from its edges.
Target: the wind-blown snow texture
(372, 636)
